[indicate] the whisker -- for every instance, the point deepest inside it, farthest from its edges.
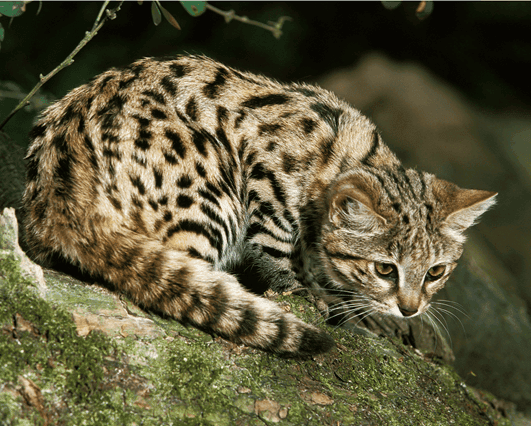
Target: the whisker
(441, 310)
(434, 314)
(448, 305)
(435, 329)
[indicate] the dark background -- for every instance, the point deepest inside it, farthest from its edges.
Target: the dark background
(482, 49)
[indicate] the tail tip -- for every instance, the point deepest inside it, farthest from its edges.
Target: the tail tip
(314, 342)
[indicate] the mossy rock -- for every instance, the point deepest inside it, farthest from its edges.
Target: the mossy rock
(81, 355)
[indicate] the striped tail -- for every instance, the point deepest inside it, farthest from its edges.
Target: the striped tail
(188, 289)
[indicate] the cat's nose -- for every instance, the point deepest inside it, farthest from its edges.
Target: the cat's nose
(407, 311)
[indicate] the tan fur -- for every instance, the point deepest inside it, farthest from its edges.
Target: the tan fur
(163, 176)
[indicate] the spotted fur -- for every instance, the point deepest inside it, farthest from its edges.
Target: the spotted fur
(162, 176)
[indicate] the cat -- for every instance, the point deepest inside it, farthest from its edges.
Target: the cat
(162, 176)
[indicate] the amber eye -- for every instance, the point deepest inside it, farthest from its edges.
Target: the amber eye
(436, 272)
(386, 270)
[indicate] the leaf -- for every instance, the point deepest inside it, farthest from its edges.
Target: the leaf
(2, 32)
(169, 17)
(195, 8)
(390, 5)
(424, 9)
(155, 13)
(12, 8)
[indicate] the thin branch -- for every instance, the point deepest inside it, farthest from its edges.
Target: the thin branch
(100, 21)
(275, 27)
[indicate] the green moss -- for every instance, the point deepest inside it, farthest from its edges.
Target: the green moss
(183, 376)
(40, 342)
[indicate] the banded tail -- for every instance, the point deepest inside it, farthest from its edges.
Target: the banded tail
(187, 289)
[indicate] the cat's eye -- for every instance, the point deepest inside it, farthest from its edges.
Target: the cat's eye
(386, 270)
(435, 272)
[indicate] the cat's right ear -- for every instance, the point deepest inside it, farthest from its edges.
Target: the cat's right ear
(353, 208)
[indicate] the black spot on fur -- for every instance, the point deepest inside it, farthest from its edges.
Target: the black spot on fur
(116, 203)
(157, 97)
(142, 144)
(154, 205)
(37, 131)
(158, 114)
(109, 137)
(158, 178)
(124, 84)
(143, 122)
(109, 153)
(199, 139)
(137, 183)
(63, 176)
(90, 151)
(191, 109)
(170, 159)
(269, 128)
(59, 143)
(329, 114)
(249, 160)
(200, 170)
(179, 70)
(327, 149)
(265, 100)
(168, 85)
(110, 111)
(184, 182)
(167, 216)
(258, 172)
(137, 202)
(289, 163)
(271, 146)
(308, 125)
(184, 201)
(222, 114)
(32, 168)
(306, 92)
(105, 81)
(372, 151)
(176, 142)
(211, 90)
(163, 200)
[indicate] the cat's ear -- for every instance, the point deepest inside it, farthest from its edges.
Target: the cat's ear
(352, 205)
(461, 207)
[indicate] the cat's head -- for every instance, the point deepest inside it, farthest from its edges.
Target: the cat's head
(391, 238)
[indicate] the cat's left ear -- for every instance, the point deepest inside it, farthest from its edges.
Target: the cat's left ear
(461, 207)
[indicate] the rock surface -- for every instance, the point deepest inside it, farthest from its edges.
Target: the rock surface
(79, 354)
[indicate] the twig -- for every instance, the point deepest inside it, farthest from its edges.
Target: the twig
(275, 28)
(100, 21)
